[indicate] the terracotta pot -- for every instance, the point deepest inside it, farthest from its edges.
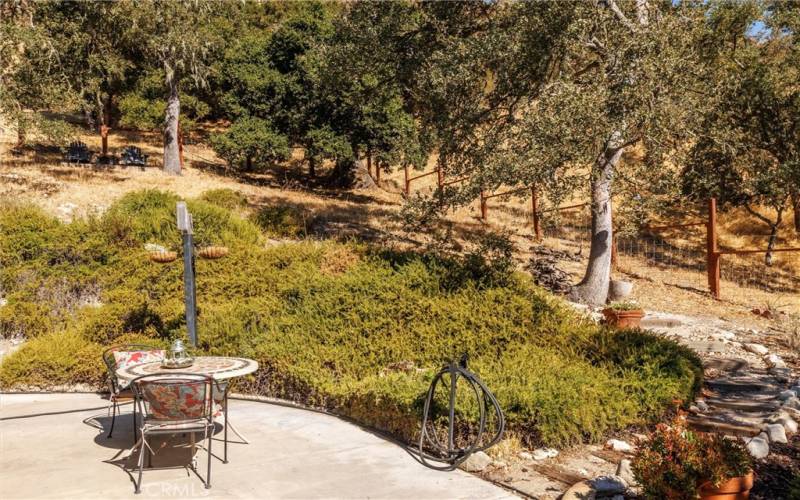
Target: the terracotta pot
(163, 257)
(623, 319)
(215, 252)
(737, 488)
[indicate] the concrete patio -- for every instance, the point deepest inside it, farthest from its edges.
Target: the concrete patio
(51, 447)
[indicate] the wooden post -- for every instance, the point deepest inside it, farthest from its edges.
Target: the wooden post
(369, 162)
(104, 138)
(614, 256)
(378, 172)
(712, 251)
(537, 228)
(484, 208)
(180, 146)
(440, 176)
(407, 182)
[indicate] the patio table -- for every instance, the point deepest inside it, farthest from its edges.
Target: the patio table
(219, 367)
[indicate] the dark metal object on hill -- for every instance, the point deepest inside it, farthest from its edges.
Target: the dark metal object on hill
(78, 152)
(450, 455)
(133, 156)
(545, 271)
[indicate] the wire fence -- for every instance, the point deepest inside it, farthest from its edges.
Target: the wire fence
(647, 252)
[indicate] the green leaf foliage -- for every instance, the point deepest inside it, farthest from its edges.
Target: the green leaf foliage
(251, 141)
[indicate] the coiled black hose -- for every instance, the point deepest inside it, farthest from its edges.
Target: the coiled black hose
(450, 455)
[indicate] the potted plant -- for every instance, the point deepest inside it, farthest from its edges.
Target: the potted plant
(679, 464)
(623, 314)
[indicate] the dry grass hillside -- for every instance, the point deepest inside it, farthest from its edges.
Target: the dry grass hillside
(70, 190)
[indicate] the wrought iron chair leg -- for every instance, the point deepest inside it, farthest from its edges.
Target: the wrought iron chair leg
(113, 418)
(225, 414)
(134, 422)
(141, 465)
(208, 471)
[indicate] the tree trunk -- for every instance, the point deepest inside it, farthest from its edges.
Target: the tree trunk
(796, 208)
(773, 238)
(773, 235)
(20, 135)
(172, 161)
(312, 167)
(248, 163)
(593, 289)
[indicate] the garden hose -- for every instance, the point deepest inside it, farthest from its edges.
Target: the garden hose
(451, 456)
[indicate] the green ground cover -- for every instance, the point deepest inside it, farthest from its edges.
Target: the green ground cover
(355, 329)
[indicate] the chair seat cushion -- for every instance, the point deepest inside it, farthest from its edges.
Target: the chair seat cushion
(124, 359)
(123, 394)
(155, 425)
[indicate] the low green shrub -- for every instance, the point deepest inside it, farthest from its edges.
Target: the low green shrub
(225, 198)
(329, 323)
(58, 358)
(281, 221)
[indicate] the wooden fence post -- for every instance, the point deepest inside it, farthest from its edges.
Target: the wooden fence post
(180, 145)
(104, 138)
(407, 182)
(484, 208)
(614, 255)
(369, 162)
(440, 177)
(712, 251)
(537, 228)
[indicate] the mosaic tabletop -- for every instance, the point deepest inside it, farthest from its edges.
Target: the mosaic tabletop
(219, 367)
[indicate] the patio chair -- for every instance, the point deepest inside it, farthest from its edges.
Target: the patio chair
(133, 156)
(180, 403)
(121, 356)
(78, 152)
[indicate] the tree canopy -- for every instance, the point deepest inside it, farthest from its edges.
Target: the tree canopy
(641, 100)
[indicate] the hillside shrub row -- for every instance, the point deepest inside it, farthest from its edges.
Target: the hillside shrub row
(351, 328)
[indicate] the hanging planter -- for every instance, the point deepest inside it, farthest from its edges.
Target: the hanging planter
(163, 257)
(213, 252)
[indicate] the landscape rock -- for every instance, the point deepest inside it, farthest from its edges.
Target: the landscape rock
(580, 491)
(67, 209)
(608, 485)
(776, 433)
(756, 349)
(788, 393)
(544, 453)
(476, 462)
(701, 405)
(781, 374)
(544, 269)
(524, 455)
(793, 402)
(758, 446)
(152, 247)
(625, 472)
(774, 361)
(786, 420)
(619, 445)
